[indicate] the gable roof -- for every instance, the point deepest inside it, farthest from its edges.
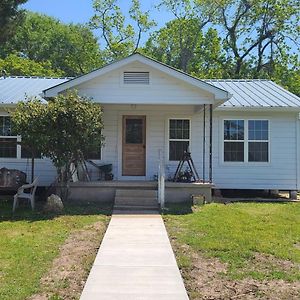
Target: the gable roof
(255, 93)
(219, 93)
(15, 88)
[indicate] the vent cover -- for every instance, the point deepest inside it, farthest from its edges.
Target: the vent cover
(136, 78)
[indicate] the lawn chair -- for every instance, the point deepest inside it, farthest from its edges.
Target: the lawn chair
(21, 194)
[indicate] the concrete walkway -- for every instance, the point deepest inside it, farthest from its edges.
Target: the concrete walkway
(135, 261)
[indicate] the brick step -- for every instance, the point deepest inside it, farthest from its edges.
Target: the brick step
(135, 201)
(133, 193)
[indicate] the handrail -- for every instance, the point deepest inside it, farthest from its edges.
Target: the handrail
(161, 180)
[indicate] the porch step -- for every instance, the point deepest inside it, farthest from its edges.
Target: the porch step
(136, 193)
(136, 199)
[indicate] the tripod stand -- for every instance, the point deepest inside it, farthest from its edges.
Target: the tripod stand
(193, 172)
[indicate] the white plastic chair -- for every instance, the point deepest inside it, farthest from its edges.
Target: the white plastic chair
(30, 196)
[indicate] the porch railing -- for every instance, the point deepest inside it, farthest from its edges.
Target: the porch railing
(161, 180)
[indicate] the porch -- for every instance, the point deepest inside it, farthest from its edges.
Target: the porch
(105, 191)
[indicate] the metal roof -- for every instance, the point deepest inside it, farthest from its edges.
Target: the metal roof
(255, 93)
(16, 88)
(245, 92)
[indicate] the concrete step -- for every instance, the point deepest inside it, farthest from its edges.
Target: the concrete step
(136, 193)
(135, 201)
(135, 207)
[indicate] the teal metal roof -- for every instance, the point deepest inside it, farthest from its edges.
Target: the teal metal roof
(15, 88)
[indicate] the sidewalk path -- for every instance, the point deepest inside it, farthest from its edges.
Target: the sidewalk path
(135, 261)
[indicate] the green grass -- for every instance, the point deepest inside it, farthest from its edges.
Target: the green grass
(30, 241)
(234, 233)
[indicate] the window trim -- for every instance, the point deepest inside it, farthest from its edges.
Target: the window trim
(17, 137)
(19, 140)
(246, 142)
(175, 140)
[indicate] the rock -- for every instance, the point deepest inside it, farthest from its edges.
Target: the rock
(54, 204)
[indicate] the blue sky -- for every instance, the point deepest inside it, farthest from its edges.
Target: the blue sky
(80, 11)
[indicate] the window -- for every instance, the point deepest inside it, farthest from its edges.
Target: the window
(8, 143)
(250, 137)
(136, 78)
(234, 140)
(258, 140)
(179, 138)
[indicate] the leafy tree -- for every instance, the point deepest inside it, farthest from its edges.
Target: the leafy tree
(182, 45)
(184, 34)
(62, 130)
(120, 39)
(10, 17)
(16, 65)
(72, 49)
(258, 32)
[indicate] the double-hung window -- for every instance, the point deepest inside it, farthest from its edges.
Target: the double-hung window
(179, 138)
(258, 140)
(246, 140)
(8, 143)
(234, 137)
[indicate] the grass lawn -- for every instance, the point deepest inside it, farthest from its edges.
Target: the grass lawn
(29, 242)
(260, 241)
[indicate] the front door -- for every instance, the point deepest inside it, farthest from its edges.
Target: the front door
(134, 146)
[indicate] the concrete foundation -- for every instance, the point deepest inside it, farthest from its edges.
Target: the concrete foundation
(104, 191)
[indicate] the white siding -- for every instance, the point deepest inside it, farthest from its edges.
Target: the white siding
(279, 173)
(163, 88)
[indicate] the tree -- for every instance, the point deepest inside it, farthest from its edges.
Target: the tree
(66, 128)
(16, 65)
(182, 45)
(10, 17)
(120, 39)
(185, 33)
(258, 32)
(72, 49)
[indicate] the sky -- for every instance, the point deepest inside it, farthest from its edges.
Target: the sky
(80, 11)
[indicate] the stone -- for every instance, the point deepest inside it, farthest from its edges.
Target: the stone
(54, 204)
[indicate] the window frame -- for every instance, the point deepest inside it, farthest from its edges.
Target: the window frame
(246, 141)
(258, 141)
(19, 147)
(177, 140)
(17, 137)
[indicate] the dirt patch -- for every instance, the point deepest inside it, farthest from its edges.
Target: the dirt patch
(205, 278)
(70, 269)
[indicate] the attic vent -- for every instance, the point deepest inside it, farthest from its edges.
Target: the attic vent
(136, 78)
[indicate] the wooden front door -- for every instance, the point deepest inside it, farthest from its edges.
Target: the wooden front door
(134, 146)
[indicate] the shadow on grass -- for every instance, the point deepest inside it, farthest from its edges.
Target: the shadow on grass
(25, 213)
(178, 209)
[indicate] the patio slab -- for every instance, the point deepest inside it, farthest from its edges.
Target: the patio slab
(135, 261)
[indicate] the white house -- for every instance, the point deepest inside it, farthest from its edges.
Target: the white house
(242, 134)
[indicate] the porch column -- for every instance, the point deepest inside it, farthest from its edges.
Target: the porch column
(204, 142)
(210, 142)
